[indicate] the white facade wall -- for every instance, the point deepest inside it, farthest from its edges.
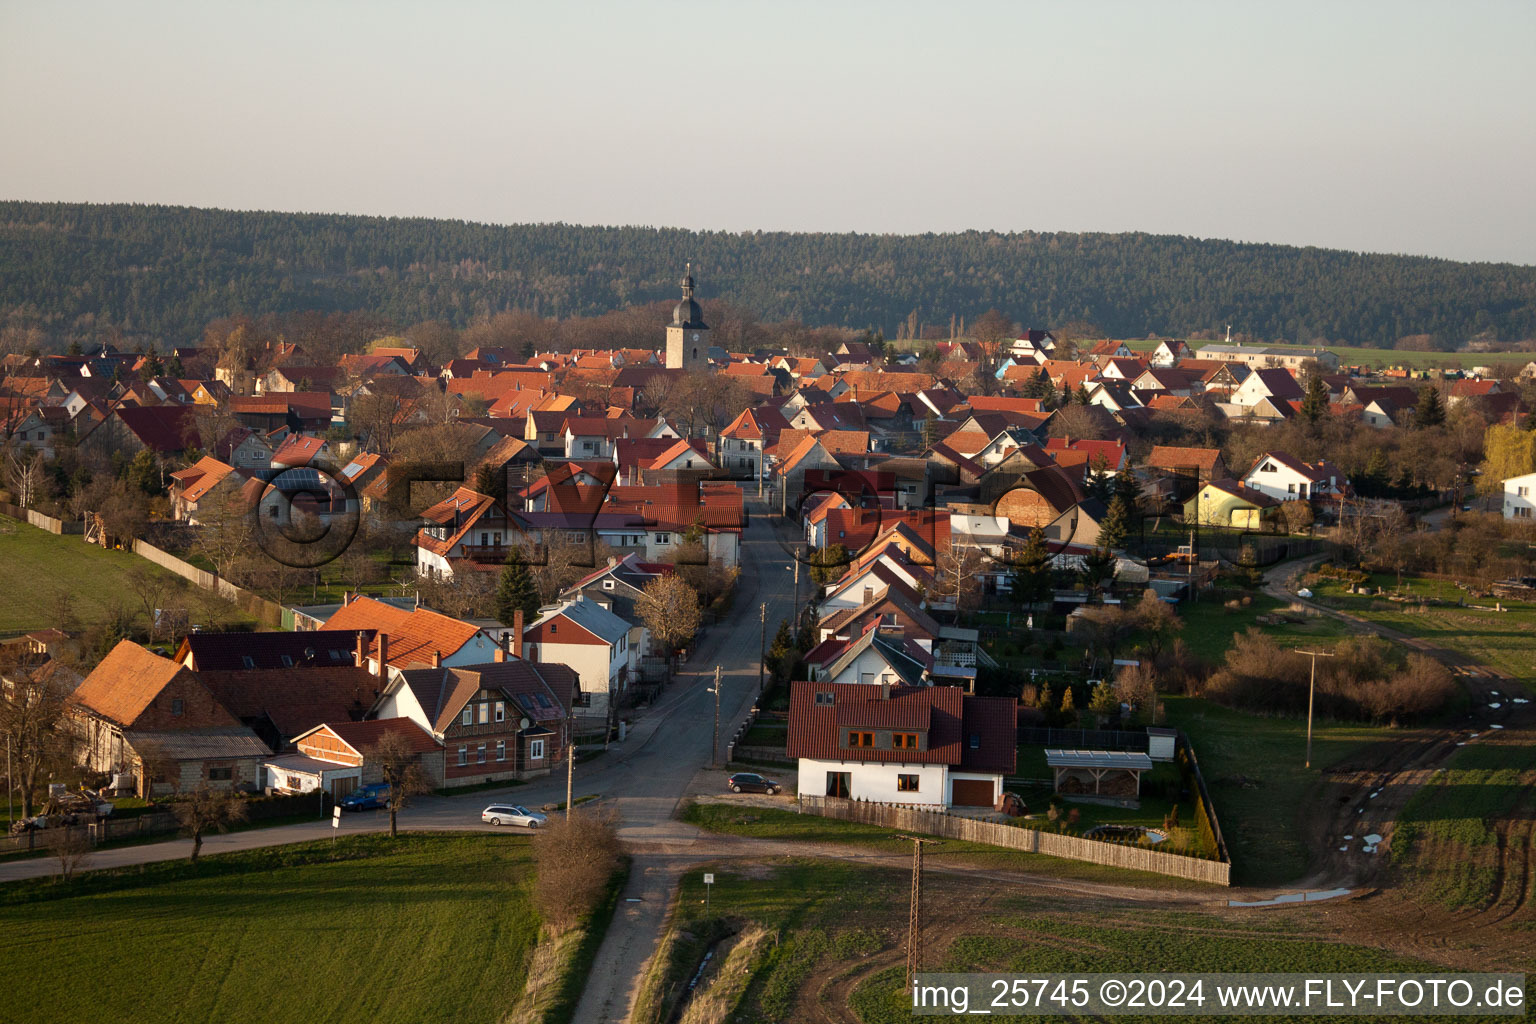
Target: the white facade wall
(1520, 498)
(869, 668)
(877, 782)
(596, 665)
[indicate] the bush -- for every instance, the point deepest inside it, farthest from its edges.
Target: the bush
(576, 855)
(1367, 679)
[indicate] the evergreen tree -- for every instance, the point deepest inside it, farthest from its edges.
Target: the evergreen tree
(1030, 578)
(1099, 484)
(143, 473)
(1104, 700)
(1117, 522)
(1315, 404)
(516, 591)
(1068, 706)
(174, 367)
(1045, 700)
(1098, 567)
(1082, 393)
(74, 347)
(1430, 412)
(828, 564)
(782, 654)
(930, 431)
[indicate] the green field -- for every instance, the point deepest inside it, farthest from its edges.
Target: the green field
(1254, 769)
(836, 929)
(1447, 838)
(1209, 625)
(420, 928)
(39, 566)
(1505, 640)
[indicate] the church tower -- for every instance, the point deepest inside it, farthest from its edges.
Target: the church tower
(687, 334)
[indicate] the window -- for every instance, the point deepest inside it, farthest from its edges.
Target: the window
(221, 773)
(906, 783)
(535, 750)
(1268, 467)
(248, 661)
(295, 782)
(861, 739)
(582, 699)
(607, 584)
(1290, 488)
(663, 538)
(904, 740)
(975, 741)
(480, 753)
(287, 661)
(468, 718)
(271, 511)
(1522, 492)
(501, 711)
(177, 707)
(485, 712)
(823, 697)
(501, 750)
(463, 755)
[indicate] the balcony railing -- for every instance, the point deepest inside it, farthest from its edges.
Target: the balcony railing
(486, 552)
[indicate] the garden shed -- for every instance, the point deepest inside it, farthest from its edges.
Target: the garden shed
(1112, 776)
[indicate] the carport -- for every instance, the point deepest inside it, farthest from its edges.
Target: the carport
(1114, 774)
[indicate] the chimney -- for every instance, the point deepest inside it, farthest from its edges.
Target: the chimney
(361, 658)
(869, 594)
(383, 660)
(500, 655)
(885, 688)
(437, 659)
(517, 634)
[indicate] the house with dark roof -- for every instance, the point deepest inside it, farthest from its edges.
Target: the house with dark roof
(466, 531)
(870, 656)
(1228, 503)
(504, 719)
(233, 652)
(930, 746)
(1286, 478)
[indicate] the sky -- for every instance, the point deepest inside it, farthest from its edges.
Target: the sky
(1401, 127)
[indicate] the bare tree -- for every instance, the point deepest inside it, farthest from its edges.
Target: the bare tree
(27, 477)
(400, 769)
(151, 587)
(670, 610)
(576, 856)
(32, 724)
(957, 576)
(155, 763)
(72, 849)
(207, 809)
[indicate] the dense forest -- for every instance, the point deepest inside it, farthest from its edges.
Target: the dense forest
(73, 271)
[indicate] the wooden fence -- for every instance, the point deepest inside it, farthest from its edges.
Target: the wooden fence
(268, 613)
(1093, 851)
(42, 522)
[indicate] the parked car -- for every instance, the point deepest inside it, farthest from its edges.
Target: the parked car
(751, 782)
(512, 814)
(366, 798)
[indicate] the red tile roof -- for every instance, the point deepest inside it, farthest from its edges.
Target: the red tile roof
(950, 718)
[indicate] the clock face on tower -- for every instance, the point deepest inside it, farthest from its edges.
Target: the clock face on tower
(695, 336)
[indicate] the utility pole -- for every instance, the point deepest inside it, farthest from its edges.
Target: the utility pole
(914, 915)
(570, 766)
(1311, 689)
(794, 622)
(714, 744)
(762, 646)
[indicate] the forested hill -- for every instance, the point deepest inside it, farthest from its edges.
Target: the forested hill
(166, 271)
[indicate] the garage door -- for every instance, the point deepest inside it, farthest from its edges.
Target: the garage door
(971, 792)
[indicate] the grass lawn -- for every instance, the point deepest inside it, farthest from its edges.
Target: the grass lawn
(1253, 767)
(1505, 640)
(423, 928)
(1210, 625)
(96, 579)
(1446, 840)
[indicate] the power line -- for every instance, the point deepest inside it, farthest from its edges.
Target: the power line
(914, 920)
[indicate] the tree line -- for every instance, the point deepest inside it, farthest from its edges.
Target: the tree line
(162, 273)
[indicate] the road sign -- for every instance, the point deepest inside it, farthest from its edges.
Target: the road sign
(335, 817)
(709, 878)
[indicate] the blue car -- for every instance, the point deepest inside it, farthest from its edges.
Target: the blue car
(366, 798)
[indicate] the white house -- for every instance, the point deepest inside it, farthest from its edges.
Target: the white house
(1270, 382)
(465, 528)
(930, 746)
(1284, 478)
(1520, 497)
(594, 643)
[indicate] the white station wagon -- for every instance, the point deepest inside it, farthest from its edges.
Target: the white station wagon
(512, 814)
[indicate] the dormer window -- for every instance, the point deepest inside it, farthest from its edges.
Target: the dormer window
(975, 741)
(861, 739)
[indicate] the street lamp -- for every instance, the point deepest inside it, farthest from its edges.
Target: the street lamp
(714, 745)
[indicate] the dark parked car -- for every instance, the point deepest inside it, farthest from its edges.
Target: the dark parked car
(750, 782)
(366, 798)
